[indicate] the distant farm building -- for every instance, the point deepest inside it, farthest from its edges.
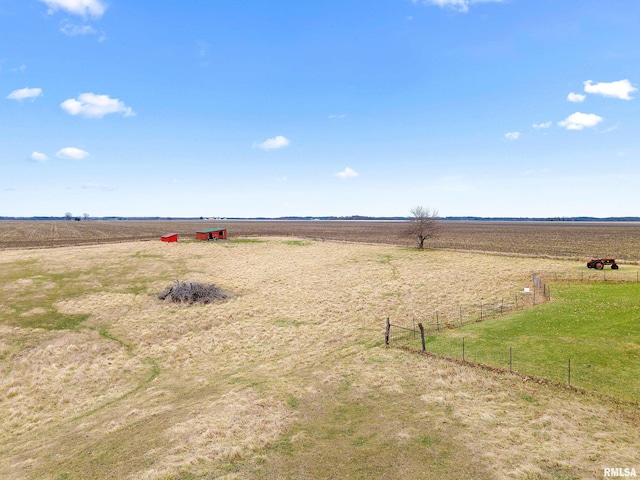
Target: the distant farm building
(169, 237)
(212, 234)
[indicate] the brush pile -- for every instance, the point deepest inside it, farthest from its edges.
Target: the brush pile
(192, 292)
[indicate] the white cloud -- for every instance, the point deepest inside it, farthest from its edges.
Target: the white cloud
(21, 68)
(91, 105)
(39, 157)
(579, 121)
(457, 5)
(542, 125)
(74, 30)
(83, 8)
(512, 135)
(273, 143)
(342, 115)
(576, 97)
(23, 93)
(72, 153)
(620, 89)
(347, 173)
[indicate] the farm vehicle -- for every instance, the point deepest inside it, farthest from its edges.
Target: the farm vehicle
(599, 263)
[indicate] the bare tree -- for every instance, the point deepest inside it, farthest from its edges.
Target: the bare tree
(68, 216)
(422, 225)
(86, 216)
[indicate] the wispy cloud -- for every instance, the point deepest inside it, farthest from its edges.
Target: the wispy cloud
(72, 153)
(21, 68)
(343, 115)
(347, 173)
(576, 97)
(203, 48)
(512, 135)
(91, 105)
(72, 30)
(539, 171)
(25, 93)
(457, 5)
(273, 143)
(38, 157)
(539, 126)
(82, 8)
(579, 121)
(620, 89)
(96, 186)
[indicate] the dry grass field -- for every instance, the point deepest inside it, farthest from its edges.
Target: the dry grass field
(551, 239)
(289, 379)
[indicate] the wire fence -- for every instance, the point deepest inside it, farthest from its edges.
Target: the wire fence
(466, 314)
(610, 379)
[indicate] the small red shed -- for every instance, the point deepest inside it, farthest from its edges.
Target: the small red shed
(212, 234)
(169, 237)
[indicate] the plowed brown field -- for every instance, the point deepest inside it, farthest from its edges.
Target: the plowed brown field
(553, 239)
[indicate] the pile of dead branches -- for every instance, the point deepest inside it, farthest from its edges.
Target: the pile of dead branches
(192, 292)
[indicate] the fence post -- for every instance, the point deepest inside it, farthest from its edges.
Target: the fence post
(501, 305)
(424, 347)
(516, 301)
(569, 371)
(414, 328)
(437, 321)
(510, 359)
(481, 305)
(386, 337)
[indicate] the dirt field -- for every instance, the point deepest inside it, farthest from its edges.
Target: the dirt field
(289, 379)
(550, 239)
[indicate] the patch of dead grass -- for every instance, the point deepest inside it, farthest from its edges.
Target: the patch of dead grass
(289, 376)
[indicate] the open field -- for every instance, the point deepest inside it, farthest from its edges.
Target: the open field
(595, 326)
(554, 239)
(288, 379)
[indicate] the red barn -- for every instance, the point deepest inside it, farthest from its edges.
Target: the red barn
(212, 234)
(169, 237)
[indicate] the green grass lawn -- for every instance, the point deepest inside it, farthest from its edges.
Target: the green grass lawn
(594, 325)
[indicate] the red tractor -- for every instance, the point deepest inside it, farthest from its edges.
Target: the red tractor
(599, 263)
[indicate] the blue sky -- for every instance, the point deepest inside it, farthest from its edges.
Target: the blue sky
(241, 109)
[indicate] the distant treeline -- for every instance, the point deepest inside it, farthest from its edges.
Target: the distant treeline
(349, 218)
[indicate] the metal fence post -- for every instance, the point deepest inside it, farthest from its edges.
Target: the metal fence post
(386, 337)
(569, 372)
(437, 321)
(424, 347)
